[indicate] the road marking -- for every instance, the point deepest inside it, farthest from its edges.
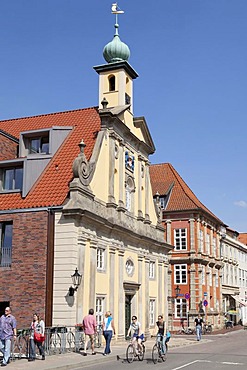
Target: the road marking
(207, 361)
(185, 365)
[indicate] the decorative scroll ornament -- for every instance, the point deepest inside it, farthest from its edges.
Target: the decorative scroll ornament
(82, 169)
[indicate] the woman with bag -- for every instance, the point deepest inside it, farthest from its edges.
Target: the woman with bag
(37, 337)
(108, 331)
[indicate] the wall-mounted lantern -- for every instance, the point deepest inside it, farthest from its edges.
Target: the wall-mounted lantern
(76, 280)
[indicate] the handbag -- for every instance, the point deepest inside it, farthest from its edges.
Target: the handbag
(38, 337)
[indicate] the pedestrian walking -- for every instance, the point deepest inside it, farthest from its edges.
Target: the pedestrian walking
(108, 331)
(7, 333)
(90, 327)
(37, 337)
(198, 324)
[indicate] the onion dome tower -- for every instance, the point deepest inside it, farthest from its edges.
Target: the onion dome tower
(116, 77)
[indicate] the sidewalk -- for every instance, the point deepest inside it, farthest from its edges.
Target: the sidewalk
(73, 361)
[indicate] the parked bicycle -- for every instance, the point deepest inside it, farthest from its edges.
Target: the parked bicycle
(132, 351)
(158, 352)
(207, 328)
(187, 331)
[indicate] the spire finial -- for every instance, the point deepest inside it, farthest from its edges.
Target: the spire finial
(116, 10)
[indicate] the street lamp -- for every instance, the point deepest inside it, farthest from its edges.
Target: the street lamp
(76, 280)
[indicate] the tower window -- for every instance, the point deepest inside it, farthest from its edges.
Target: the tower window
(112, 83)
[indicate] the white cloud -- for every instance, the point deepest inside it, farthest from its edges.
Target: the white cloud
(241, 203)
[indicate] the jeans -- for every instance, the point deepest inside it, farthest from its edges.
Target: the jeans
(199, 332)
(108, 336)
(5, 348)
(162, 339)
(32, 349)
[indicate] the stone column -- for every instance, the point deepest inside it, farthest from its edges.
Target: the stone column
(121, 295)
(81, 268)
(169, 231)
(139, 187)
(193, 288)
(146, 326)
(161, 287)
(198, 222)
(218, 245)
(140, 292)
(93, 270)
(147, 179)
(111, 198)
(112, 252)
(192, 235)
(121, 203)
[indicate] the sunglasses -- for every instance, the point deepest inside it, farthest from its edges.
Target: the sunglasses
(133, 318)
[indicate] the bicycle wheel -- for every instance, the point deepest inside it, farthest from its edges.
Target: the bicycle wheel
(130, 353)
(142, 353)
(155, 354)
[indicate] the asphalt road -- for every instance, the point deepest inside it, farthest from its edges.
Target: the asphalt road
(226, 352)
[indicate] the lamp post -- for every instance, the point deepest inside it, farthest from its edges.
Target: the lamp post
(177, 291)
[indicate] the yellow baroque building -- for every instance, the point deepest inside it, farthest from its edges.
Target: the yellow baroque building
(109, 227)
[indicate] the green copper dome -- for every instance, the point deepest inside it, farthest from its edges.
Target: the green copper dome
(116, 50)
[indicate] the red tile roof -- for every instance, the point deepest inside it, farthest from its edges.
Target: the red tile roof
(243, 238)
(182, 198)
(52, 186)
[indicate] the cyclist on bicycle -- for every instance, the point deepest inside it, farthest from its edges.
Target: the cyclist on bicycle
(162, 333)
(136, 333)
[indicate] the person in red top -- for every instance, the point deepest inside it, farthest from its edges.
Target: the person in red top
(90, 327)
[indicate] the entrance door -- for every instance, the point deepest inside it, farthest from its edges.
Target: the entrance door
(128, 299)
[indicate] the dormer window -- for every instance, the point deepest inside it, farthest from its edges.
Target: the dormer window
(12, 178)
(39, 145)
(112, 83)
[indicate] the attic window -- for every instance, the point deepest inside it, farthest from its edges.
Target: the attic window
(12, 178)
(39, 145)
(127, 99)
(112, 83)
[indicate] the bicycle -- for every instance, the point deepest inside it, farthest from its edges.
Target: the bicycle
(188, 331)
(207, 329)
(132, 352)
(157, 351)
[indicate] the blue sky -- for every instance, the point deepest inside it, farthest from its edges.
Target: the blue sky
(191, 58)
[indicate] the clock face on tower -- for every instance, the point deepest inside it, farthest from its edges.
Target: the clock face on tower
(129, 266)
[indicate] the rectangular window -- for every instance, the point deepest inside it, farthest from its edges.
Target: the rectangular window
(201, 240)
(151, 312)
(151, 270)
(217, 279)
(180, 308)
(6, 234)
(99, 310)
(162, 203)
(12, 178)
(39, 145)
(100, 259)
(180, 236)
(180, 272)
(207, 243)
(203, 275)
(214, 246)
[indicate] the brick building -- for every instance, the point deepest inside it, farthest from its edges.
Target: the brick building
(195, 261)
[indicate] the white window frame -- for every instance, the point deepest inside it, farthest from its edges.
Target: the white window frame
(207, 243)
(180, 308)
(201, 240)
(180, 239)
(152, 313)
(100, 259)
(180, 274)
(151, 270)
(203, 275)
(99, 309)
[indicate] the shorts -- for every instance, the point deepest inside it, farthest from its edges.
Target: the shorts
(90, 337)
(138, 336)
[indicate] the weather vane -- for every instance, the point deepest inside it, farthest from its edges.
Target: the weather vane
(116, 10)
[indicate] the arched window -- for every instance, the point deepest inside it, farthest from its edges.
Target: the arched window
(112, 83)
